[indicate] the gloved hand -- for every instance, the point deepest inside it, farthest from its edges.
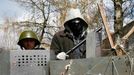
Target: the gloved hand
(62, 55)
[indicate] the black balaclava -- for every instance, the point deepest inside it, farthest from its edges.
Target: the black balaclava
(76, 26)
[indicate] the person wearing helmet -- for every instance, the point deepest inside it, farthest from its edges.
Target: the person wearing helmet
(74, 32)
(28, 40)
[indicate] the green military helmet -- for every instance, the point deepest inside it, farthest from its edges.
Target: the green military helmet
(28, 34)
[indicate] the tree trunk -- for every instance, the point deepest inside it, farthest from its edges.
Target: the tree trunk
(118, 19)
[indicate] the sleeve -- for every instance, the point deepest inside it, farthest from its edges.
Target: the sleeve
(55, 44)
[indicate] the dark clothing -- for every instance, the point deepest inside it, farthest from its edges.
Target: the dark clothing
(75, 31)
(64, 41)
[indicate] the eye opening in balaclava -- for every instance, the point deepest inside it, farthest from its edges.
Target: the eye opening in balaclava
(76, 26)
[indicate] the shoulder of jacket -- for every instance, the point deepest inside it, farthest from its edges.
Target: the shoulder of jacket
(60, 33)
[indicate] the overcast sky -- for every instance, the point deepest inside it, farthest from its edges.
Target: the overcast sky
(10, 9)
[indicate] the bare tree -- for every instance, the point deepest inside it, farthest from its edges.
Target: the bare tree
(87, 7)
(40, 15)
(122, 12)
(8, 35)
(42, 10)
(118, 19)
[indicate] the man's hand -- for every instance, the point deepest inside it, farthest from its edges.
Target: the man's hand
(62, 55)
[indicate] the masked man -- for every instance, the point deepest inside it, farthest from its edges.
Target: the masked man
(74, 32)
